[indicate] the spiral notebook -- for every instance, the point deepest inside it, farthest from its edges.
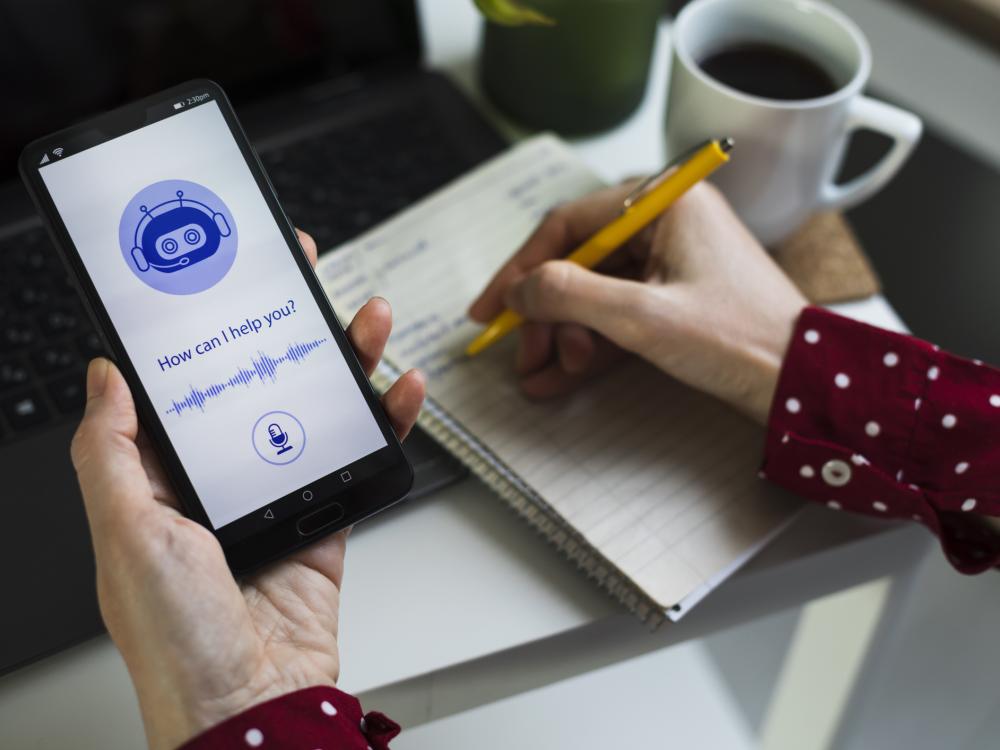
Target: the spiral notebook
(649, 487)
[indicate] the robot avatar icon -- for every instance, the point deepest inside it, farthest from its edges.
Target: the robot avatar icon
(178, 237)
(174, 235)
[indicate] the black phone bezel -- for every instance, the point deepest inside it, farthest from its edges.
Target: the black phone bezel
(377, 481)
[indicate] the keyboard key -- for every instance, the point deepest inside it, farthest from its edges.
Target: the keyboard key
(34, 260)
(17, 335)
(50, 360)
(13, 374)
(28, 297)
(57, 322)
(69, 392)
(24, 410)
(90, 345)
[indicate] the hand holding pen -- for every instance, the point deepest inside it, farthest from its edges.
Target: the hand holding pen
(693, 293)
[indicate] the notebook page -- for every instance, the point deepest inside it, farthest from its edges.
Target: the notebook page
(659, 479)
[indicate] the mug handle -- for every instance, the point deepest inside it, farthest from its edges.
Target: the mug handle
(903, 127)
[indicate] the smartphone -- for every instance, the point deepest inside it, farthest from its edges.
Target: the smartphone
(241, 373)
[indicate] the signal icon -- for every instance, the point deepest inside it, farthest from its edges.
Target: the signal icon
(58, 150)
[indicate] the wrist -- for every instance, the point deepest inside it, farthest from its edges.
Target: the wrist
(762, 360)
(178, 714)
(757, 402)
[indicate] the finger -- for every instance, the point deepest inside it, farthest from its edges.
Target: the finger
(534, 349)
(560, 232)
(563, 292)
(575, 348)
(104, 452)
(160, 484)
(540, 343)
(369, 331)
(326, 556)
(308, 246)
(630, 258)
(553, 380)
(403, 400)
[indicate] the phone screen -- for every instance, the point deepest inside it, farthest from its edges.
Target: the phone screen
(232, 348)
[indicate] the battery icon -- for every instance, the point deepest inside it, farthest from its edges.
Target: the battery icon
(178, 105)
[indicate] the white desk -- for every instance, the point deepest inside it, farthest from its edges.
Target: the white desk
(451, 602)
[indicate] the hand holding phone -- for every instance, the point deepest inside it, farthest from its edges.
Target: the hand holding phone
(258, 408)
(200, 647)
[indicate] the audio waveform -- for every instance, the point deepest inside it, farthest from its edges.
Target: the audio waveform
(263, 368)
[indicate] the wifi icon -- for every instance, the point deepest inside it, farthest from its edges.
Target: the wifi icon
(58, 151)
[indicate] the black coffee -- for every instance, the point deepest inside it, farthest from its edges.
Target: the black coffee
(769, 71)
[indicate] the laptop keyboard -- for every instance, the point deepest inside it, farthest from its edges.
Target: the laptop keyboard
(45, 336)
(333, 185)
(336, 185)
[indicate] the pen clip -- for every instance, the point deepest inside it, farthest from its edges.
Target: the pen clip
(653, 180)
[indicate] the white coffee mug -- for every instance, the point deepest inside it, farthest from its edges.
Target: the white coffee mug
(787, 151)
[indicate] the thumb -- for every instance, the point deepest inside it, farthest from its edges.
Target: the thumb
(560, 291)
(104, 453)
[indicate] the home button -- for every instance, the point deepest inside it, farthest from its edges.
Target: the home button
(320, 519)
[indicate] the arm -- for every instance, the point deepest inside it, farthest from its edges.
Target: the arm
(886, 425)
(201, 648)
(697, 296)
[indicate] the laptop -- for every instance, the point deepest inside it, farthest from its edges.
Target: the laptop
(350, 129)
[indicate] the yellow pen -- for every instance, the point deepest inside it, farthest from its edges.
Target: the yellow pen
(652, 197)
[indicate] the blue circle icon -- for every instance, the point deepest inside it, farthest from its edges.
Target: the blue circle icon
(178, 237)
(278, 437)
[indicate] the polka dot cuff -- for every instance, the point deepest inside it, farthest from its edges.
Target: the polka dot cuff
(880, 423)
(317, 718)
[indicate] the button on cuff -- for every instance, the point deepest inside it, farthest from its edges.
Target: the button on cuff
(836, 473)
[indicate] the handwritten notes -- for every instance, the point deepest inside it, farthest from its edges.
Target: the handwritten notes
(431, 260)
(660, 480)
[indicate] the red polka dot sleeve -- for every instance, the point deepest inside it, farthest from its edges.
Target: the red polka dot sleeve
(875, 422)
(317, 718)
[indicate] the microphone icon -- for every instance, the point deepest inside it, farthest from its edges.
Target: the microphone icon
(278, 438)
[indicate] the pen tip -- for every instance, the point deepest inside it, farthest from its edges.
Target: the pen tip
(726, 144)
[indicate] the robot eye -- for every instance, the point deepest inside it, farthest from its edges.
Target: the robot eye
(169, 246)
(192, 236)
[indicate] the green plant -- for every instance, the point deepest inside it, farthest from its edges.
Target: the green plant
(512, 13)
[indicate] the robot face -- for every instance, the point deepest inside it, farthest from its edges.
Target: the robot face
(181, 241)
(172, 226)
(179, 238)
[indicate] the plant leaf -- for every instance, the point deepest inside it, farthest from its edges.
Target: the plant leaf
(512, 13)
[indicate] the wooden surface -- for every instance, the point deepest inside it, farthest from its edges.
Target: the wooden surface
(826, 262)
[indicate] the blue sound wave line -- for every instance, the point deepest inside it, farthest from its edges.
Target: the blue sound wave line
(263, 368)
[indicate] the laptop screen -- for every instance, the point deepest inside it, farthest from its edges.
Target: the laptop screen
(64, 60)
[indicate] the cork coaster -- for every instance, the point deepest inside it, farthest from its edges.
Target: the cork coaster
(826, 262)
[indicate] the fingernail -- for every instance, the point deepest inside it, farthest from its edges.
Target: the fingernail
(97, 377)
